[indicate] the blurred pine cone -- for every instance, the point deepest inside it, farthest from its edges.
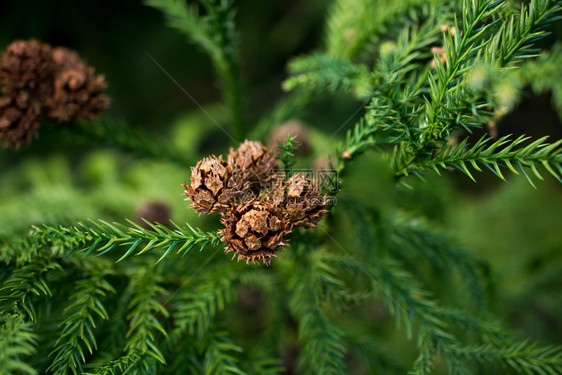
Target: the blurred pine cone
(301, 199)
(290, 128)
(255, 162)
(78, 94)
(18, 119)
(153, 212)
(27, 64)
(254, 230)
(214, 187)
(40, 82)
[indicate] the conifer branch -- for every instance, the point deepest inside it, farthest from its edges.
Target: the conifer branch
(266, 365)
(321, 73)
(286, 155)
(216, 34)
(539, 74)
(116, 326)
(503, 153)
(122, 365)
(194, 309)
(375, 354)
(459, 50)
(322, 350)
(513, 42)
(102, 237)
(406, 298)
(332, 290)
(144, 325)
(412, 237)
(408, 302)
(424, 363)
(523, 357)
(27, 282)
(426, 240)
(412, 305)
(269, 285)
(397, 100)
(354, 24)
(451, 103)
(86, 307)
(17, 342)
(183, 356)
(219, 357)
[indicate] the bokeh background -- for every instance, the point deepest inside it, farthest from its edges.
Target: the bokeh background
(59, 180)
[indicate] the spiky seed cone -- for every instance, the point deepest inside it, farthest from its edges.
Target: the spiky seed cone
(254, 230)
(256, 162)
(18, 119)
(78, 94)
(214, 186)
(290, 128)
(300, 197)
(29, 65)
(305, 205)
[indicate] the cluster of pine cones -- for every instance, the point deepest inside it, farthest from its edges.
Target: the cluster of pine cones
(38, 82)
(258, 204)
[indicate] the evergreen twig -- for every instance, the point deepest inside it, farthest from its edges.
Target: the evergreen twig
(322, 346)
(502, 153)
(18, 342)
(102, 237)
(144, 323)
(85, 309)
(287, 154)
(219, 354)
(25, 284)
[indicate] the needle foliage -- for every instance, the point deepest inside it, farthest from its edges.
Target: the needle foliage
(117, 296)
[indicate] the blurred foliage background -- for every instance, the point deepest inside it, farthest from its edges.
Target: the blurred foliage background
(60, 179)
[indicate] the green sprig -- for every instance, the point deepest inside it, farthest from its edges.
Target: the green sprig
(101, 237)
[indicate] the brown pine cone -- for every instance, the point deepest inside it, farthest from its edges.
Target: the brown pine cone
(300, 197)
(256, 162)
(254, 230)
(27, 64)
(78, 94)
(214, 187)
(18, 119)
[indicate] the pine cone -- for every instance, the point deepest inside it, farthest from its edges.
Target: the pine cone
(254, 230)
(27, 65)
(300, 198)
(18, 119)
(78, 94)
(214, 187)
(256, 162)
